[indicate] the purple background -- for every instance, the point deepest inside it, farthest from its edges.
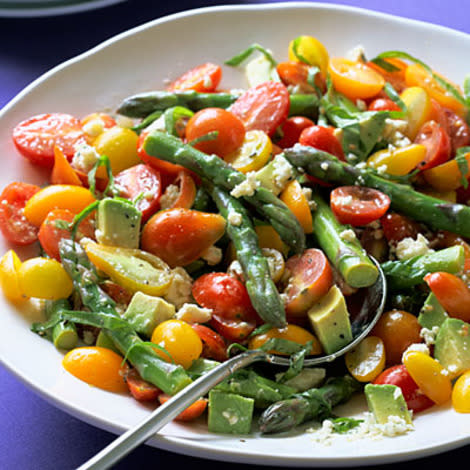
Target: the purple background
(34, 434)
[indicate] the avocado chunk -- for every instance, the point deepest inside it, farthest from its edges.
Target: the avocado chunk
(229, 413)
(276, 174)
(452, 346)
(260, 70)
(330, 321)
(432, 313)
(118, 223)
(385, 401)
(145, 312)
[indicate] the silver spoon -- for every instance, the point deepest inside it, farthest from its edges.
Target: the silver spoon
(371, 309)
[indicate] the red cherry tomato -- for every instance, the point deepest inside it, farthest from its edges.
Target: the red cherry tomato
(399, 376)
(322, 138)
(229, 128)
(357, 205)
(383, 104)
(396, 227)
(214, 346)
(233, 314)
(140, 389)
(192, 412)
(458, 130)
(137, 180)
(291, 130)
(296, 74)
(13, 224)
(437, 142)
(264, 107)
(204, 78)
(36, 137)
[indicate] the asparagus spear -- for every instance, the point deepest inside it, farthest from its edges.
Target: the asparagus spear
(436, 213)
(167, 376)
(344, 252)
(261, 289)
(315, 403)
(218, 172)
(143, 104)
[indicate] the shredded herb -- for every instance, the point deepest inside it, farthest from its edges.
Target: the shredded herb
(462, 163)
(343, 425)
(243, 55)
(204, 138)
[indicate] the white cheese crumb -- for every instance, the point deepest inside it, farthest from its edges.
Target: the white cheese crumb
(84, 158)
(409, 248)
(247, 187)
(282, 173)
(235, 270)
(230, 416)
(180, 289)
(418, 347)
(192, 313)
(212, 256)
(169, 197)
(94, 127)
(361, 105)
(234, 218)
(356, 54)
(348, 235)
(429, 335)
(307, 192)
(324, 166)
(394, 131)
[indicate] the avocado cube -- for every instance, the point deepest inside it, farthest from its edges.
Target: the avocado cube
(432, 313)
(330, 321)
(229, 413)
(275, 175)
(385, 401)
(145, 312)
(118, 223)
(452, 346)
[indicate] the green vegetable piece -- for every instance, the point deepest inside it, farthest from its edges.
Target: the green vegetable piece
(260, 70)
(452, 346)
(64, 336)
(267, 176)
(385, 401)
(330, 321)
(229, 413)
(432, 313)
(118, 223)
(201, 366)
(104, 341)
(145, 312)
(308, 377)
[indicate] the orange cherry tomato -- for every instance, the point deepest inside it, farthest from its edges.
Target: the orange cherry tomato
(189, 414)
(396, 78)
(357, 205)
(187, 190)
(296, 74)
(204, 78)
(139, 388)
(355, 80)
(437, 143)
(229, 128)
(62, 171)
(297, 202)
(322, 138)
(213, 344)
(311, 278)
(179, 236)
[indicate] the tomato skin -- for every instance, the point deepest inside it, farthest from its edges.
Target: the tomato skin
(213, 345)
(13, 224)
(291, 130)
(230, 131)
(263, 107)
(140, 179)
(322, 138)
(296, 74)
(396, 227)
(139, 388)
(457, 129)
(396, 77)
(383, 104)
(399, 376)
(189, 414)
(367, 204)
(203, 78)
(437, 143)
(36, 137)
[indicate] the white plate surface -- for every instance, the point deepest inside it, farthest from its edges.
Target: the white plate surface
(141, 60)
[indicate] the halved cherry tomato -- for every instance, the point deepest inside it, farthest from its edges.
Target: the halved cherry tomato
(437, 143)
(357, 205)
(36, 137)
(397, 375)
(322, 138)
(14, 225)
(309, 50)
(189, 414)
(186, 193)
(396, 227)
(396, 77)
(10, 264)
(383, 104)
(62, 171)
(296, 74)
(264, 107)
(139, 388)
(141, 180)
(50, 233)
(461, 394)
(229, 128)
(451, 292)
(233, 314)
(213, 345)
(353, 79)
(457, 128)
(179, 236)
(203, 78)
(311, 278)
(294, 198)
(291, 130)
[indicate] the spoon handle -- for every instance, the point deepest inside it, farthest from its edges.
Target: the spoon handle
(165, 413)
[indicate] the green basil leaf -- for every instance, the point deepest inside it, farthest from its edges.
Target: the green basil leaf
(243, 55)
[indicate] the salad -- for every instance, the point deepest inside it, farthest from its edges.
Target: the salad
(197, 222)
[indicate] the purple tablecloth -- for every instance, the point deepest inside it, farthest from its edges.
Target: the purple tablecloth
(33, 434)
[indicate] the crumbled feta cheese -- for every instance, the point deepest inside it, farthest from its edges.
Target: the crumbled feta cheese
(356, 54)
(307, 192)
(212, 256)
(192, 313)
(348, 235)
(324, 166)
(429, 335)
(247, 187)
(169, 197)
(235, 270)
(180, 289)
(418, 347)
(361, 105)
(394, 131)
(124, 121)
(84, 158)
(94, 127)
(234, 218)
(409, 248)
(283, 172)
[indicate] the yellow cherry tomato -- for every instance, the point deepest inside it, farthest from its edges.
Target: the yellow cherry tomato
(429, 375)
(367, 360)
(310, 50)
(119, 144)
(57, 196)
(290, 332)
(355, 80)
(97, 366)
(419, 109)
(180, 341)
(44, 278)
(269, 238)
(415, 75)
(9, 280)
(253, 154)
(447, 176)
(461, 393)
(399, 161)
(295, 199)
